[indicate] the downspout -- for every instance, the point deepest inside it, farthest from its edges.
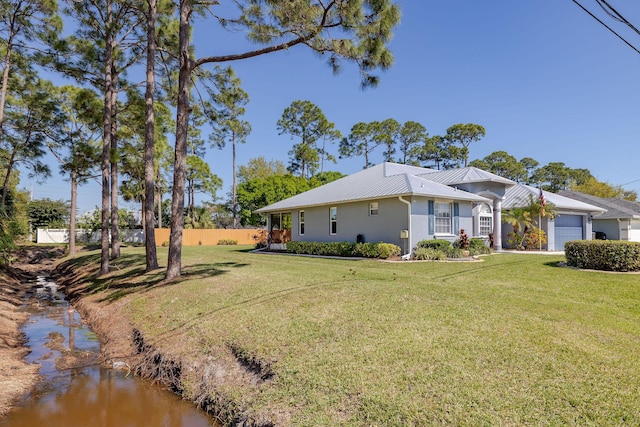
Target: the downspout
(410, 248)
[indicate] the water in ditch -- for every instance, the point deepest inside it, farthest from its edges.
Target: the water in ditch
(76, 391)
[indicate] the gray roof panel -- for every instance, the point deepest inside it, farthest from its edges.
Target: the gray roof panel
(519, 196)
(615, 208)
(466, 175)
(382, 181)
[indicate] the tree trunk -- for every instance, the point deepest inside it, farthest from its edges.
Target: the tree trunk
(159, 209)
(106, 148)
(149, 143)
(234, 201)
(174, 262)
(115, 226)
(5, 184)
(5, 80)
(72, 215)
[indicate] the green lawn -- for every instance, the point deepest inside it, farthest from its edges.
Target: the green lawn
(511, 340)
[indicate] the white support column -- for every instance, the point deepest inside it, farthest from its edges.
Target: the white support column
(497, 224)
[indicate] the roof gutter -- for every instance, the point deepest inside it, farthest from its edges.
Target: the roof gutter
(410, 246)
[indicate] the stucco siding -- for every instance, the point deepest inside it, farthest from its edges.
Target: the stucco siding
(354, 219)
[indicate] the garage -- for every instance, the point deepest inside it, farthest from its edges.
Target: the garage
(567, 228)
(634, 231)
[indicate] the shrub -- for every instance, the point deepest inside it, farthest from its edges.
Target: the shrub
(478, 246)
(608, 255)
(429, 254)
(440, 244)
(535, 238)
(453, 252)
(227, 242)
(345, 249)
(514, 240)
(463, 240)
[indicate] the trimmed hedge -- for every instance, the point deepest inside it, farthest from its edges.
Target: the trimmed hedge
(608, 255)
(345, 249)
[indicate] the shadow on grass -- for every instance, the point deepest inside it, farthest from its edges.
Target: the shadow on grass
(80, 275)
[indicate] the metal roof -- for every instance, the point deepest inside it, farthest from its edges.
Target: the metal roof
(520, 194)
(466, 175)
(616, 208)
(382, 181)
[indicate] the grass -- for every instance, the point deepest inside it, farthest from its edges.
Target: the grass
(512, 340)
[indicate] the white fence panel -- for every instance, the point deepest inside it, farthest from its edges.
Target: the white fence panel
(52, 235)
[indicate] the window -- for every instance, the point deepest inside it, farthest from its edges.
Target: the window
(276, 221)
(333, 220)
(301, 222)
(443, 218)
(373, 208)
(485, 220)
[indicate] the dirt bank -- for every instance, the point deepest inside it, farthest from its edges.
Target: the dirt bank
(202, 379)
(16, 376)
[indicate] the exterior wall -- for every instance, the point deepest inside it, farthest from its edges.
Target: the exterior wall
(634, 232)
(607, 226)
(354, 219)
(629, 230)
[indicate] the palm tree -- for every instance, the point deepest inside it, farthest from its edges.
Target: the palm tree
(199, 217)
(518, 218)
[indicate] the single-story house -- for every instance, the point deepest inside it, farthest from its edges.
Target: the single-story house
(400, 204)
(573, 220)
(621, 221)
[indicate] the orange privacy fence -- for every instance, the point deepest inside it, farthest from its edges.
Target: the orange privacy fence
(208, 237)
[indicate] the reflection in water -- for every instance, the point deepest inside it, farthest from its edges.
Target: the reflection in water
(88, 396)
(106, 398)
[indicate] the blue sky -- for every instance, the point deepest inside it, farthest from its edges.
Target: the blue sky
(544, 78)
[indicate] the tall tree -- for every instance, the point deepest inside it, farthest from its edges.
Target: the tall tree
(200, 180)
(463, 135)
(361, 142)
(603, 189)
(106, 43)
(503, 164)
(352, 30)
(387, 134)
(410, 136)
(230, 100)
(260, 168)
(31, 110)
(74, 143)
(151, 257)
(553, 177)
(530, 165)
(22, 22)
(438, 152)
(306, 122)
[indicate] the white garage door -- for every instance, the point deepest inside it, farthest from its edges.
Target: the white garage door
(567, 227)
(634, 231)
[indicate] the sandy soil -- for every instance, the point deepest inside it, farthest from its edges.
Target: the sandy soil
(16, 376)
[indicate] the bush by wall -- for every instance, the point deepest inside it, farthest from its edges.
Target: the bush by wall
(608, 255)
(345, 249)
(230, 242)
(439, 244)
(429, 254)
